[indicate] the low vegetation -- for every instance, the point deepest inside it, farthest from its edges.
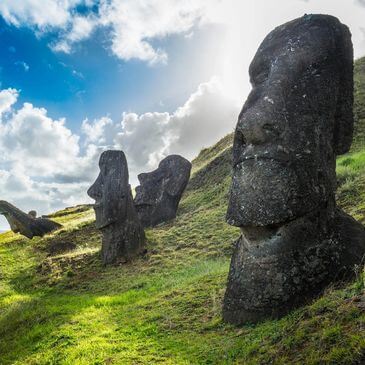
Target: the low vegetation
(66, 308)
(359, 105)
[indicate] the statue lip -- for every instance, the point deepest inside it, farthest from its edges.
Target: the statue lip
(97, 204)
(268, 151)
(268, 157)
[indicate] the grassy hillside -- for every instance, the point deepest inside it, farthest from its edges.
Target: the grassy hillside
(65, 308)
(359, 104)
(59, 305)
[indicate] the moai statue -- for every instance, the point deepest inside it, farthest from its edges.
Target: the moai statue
(123, 235)
(158, 196)
(296, 120)
(26, 224)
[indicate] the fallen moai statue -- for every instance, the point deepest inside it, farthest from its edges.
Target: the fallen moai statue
(26, 224)
(296, 120)
(159, 193)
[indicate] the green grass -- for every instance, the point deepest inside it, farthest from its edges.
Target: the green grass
(351, 179)
(165, 308)
(359, 105)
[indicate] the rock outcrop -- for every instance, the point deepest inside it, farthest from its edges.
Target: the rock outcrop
(296, 120)
(158, 196)
(26, 224)
(116, 217)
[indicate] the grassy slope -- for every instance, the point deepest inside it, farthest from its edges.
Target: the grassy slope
(165, 307)
(359, 105)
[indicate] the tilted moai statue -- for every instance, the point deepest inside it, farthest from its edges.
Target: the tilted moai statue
(123, 235)
(158, 196)
(296, 120)
(26, 224)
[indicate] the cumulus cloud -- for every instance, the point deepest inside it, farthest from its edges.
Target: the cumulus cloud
(41, 163)
(41, 14)
(8, 97)
(132, 25)
(37, 142)
(97, 131)
(206, 116)
(45, 166)
(136, 23)
(79, 28)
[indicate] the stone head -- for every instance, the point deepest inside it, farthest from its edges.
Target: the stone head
(111, 190)
(169, 178)
(296, 119)
(159, 193)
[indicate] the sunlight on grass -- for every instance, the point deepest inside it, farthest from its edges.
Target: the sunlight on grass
(165, 307)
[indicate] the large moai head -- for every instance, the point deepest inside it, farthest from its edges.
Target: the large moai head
(159, 193)
(111, 189)
(123, 235)
(297, 118)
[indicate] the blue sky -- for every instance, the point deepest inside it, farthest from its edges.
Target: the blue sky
(91, 82)
(150, 77)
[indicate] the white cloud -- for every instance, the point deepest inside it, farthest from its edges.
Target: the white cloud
(145, 138)
(133, 25)
(79, 28)
(44, 166)
(22, 64)
(205, 117)
(41, 14)
(96, 132)
(37, 142)
(8, 97)
(41, 166)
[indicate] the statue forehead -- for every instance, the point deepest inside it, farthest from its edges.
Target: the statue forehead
(113, 163)
(311, 33)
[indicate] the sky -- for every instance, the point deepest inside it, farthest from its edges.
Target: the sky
(150, 77)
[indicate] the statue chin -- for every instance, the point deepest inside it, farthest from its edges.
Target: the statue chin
(101, 221)
(267, 192)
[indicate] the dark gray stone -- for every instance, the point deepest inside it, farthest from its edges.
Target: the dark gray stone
(123, 235)
(26, 224)
(297, 118)
(158, 196)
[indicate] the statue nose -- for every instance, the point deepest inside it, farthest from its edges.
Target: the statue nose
(257, 127)
(257, 131)
(94, 192)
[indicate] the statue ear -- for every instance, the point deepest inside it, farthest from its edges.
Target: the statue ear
(344, 118)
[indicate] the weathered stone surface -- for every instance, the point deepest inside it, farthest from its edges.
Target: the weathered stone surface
(26, 224)
(158, 196)
(116, 217)
(297, 118)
